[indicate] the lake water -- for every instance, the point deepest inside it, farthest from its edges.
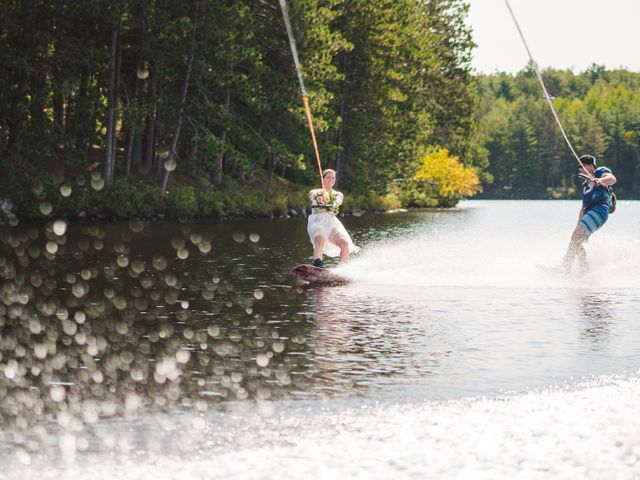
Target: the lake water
(186, 350)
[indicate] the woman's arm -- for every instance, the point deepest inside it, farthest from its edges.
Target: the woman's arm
(339, 198)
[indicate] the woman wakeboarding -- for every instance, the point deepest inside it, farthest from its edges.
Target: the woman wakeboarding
(326, 233)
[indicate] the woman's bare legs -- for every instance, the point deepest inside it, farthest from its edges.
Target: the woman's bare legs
(344, 251)
(343, 245)
(318, 246)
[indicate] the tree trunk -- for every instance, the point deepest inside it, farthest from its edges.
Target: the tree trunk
(130, 143)
(183, 99)
(150, 134)
(17, 122)
(150, 130)
(134, 150)
(58, 82)
(111, 114)
(133, 146)
(193, 171)
(217, 175)
(58, 107)
(271, 166)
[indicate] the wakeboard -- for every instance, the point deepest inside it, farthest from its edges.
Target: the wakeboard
(317, 275)
(556, 270)
(560, 271)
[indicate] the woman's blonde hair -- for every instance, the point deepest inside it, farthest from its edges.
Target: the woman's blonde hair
(328, 170)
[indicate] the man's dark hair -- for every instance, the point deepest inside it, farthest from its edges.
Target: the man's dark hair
(588, 160)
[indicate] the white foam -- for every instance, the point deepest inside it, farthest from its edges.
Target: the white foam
(588, 431)
(501, 246)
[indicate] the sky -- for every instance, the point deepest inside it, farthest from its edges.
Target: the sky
(561, 34)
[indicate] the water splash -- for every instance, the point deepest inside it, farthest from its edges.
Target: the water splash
(481, 252)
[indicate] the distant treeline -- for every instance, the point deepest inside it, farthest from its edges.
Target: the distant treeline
(207, 89)
(528, 158)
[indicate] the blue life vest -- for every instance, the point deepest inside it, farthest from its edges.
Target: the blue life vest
(593, 196)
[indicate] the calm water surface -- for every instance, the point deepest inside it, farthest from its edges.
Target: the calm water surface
(127, 320)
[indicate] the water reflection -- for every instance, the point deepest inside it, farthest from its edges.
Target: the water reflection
(104, 320)
(360, 339)
(598, 313)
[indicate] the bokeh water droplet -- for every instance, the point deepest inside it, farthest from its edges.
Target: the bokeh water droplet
(143, 73)
(138, 266)
(59, 227)
(122, 261)
(178, 243)
(183, 356)
(170, 165)
(159, 262)
(80, 317)
(136, 225)
(262, 360)
(52, 247)
(46, 208)
(57, 393)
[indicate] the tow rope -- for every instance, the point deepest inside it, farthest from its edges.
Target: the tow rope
(544, 88)
(305, 98)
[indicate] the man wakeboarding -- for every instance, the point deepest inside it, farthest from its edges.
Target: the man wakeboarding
(597, 203)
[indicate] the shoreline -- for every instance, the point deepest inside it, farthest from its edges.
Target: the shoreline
(7, 216)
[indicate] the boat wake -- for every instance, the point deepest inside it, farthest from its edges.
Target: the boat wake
(486, 257)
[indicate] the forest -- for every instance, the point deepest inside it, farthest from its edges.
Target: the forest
(143, 105)
(528, 157)
(192, 108)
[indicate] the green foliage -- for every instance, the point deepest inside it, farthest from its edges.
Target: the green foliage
(599, 109)
(385, 80)
(210, 203)
(298, 199)
(119, 200)
(407, 85)
(372, 201)
(182, 202)
(122, 200)
(368, 200)
(279, 205)
(249, 202)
